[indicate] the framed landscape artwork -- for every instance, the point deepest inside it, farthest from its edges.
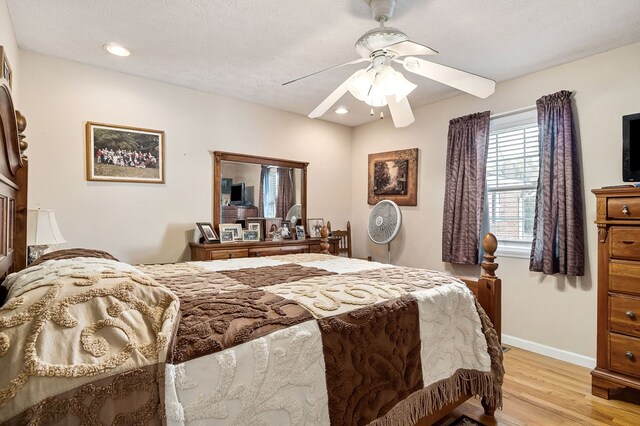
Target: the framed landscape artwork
(124, 154)
(394, 176)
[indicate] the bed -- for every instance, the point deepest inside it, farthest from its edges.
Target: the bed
(292, 339)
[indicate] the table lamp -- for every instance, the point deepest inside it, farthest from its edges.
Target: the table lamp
(42, 231)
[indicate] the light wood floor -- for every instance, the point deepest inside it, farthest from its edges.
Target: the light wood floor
(539, 390)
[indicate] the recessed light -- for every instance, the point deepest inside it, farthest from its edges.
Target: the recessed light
(116, 49)
(341, 110)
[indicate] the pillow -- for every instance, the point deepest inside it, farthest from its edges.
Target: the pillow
(71, 253)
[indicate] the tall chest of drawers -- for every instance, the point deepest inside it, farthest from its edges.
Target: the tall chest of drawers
(618, 351)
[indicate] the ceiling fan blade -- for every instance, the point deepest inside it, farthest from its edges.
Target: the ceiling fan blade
(332, 98)
(461, 80)
(410, 48)
(400, 111)
(355, 61)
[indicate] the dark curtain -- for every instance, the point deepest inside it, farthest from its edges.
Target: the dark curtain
(284, 193)
(558, 237)
(464, 188)
(264, 184)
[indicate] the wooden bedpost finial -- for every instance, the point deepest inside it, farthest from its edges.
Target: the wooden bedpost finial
(489, 245)
(324, 240)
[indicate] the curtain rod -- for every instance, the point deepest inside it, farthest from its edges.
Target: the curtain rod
(515, 111)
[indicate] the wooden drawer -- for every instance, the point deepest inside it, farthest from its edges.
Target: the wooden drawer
(273, 251)
(624, 277)
(227, 254)
(624, 353)
(625, 242)
(623, 208)
(245, 212)
(624, 315)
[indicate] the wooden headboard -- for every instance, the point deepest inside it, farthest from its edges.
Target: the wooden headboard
(13, 186)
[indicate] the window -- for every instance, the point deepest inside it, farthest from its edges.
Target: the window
(271, 193)
(513, 161)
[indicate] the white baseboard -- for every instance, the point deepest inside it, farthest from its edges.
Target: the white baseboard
(538, 348)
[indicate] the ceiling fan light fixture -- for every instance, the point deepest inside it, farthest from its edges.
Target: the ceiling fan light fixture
(341, 110)
(393, 83)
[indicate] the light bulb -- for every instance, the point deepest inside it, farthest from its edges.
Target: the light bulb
(116, 49)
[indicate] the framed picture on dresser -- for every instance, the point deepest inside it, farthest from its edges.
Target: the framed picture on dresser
(226, 236)
(314, 226)
(207, 232)
(249, 235)
(234, 228)
(286, 229)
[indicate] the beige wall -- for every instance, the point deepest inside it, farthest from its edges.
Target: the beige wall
(8, 42)
(555, 311)
(148, 222)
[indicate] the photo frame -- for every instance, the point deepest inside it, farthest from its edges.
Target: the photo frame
(271, 224)
(300, 232)
(285, 230)
(255, 226)
(393, 176)
(254, 222)
(207, 232)
(314, 227)
(250, 235)
(124, 154)
(5, 68)
(235, 228)
(226, 236)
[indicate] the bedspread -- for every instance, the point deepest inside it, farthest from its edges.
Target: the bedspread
(293, 339)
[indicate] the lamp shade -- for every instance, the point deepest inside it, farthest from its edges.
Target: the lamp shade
(42, 228)
(373, 85)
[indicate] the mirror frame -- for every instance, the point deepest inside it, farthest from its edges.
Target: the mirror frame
(219, 156)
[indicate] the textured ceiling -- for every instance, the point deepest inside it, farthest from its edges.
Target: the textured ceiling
(245, 49)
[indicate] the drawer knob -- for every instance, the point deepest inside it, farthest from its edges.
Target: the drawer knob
(630, 315)
(625, 210)
(629, 355)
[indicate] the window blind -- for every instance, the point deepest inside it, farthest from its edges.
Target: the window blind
(512, 175)
(271, 193)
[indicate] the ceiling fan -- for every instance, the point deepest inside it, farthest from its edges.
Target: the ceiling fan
(379, 84)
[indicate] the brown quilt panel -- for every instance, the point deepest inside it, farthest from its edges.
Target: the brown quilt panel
(270, 275)
(372, 359)
(220, 320)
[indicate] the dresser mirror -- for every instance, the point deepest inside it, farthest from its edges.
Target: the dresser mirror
(248, 186)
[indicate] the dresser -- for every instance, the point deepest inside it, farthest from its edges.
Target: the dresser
(618, 350)
(259, 248)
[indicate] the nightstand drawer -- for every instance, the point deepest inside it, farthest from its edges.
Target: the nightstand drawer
(624, 315)
(623, 208)
(624, 354)
(624, 276)
(625, 242)
(228, 254)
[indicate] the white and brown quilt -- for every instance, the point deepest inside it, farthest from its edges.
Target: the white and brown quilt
(295, 339)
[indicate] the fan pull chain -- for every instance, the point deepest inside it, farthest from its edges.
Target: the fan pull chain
(381, 115)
